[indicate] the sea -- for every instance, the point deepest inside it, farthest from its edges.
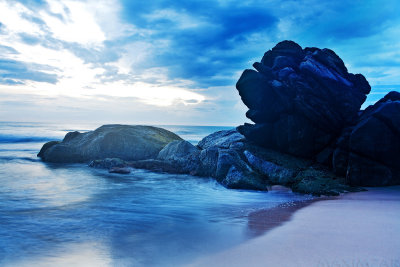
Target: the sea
(74, 215)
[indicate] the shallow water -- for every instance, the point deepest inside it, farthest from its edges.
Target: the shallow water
(55, 214)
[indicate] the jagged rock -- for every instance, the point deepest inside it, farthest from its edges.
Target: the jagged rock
(240, 179)
(221, 139)
(276, 174)
(208, 162)
(177, 150)
(300, 99)
(368, 153)
(109, 141)
(182, 155)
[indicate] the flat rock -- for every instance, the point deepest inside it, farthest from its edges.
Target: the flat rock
(109, 141)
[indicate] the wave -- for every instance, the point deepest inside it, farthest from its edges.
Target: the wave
(11, 158)
(24, 139)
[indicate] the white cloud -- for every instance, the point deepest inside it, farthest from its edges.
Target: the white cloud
(89, 24)
(79, 23)
(11, 16)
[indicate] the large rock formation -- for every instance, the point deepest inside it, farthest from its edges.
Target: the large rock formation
(300, 99)
(109, 141)
(368, 153)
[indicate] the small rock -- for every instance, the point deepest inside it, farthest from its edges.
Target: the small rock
(123, 170)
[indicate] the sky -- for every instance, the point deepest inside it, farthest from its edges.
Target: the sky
(173, 62)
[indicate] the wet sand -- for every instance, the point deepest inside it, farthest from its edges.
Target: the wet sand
(355, 229)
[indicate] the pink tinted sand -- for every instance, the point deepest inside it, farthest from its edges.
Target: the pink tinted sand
(356, 229)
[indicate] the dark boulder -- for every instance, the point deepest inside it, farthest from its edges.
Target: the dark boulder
(221, 139)
(46, 146)
(177, 150)
(233, 172)
(275, 173)
(182, 155)
(368, 154)
(109, 141)
(242, 179)
(300, 99)
(208, 162)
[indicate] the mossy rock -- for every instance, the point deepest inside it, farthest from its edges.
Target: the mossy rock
(318, 181)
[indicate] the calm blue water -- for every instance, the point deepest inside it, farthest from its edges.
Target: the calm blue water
(63, 215)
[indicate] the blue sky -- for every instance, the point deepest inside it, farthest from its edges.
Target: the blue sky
(173, 62)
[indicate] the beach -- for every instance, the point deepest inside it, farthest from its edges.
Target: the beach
(354, 229)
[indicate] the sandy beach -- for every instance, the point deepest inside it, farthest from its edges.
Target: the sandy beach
(355, 229)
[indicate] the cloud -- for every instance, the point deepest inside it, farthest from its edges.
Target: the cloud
(15, 72)
(165, 54)
(200, 41)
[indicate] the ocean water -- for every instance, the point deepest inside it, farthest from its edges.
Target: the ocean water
(63, 215)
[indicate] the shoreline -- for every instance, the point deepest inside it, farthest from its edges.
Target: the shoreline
(354, 229)
(264, 220)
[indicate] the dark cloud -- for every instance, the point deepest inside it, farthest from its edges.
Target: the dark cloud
(223, 42)
(16, 72)
(204, 52)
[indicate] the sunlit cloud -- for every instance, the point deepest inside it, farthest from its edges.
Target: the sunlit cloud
(79, 22)
(75, 23)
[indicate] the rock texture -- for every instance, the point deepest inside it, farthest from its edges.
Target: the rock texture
(300, 99)
(109, 141)
(368, 153)
(237, 163)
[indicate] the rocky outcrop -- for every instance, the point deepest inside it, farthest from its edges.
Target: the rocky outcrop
(368, 153)
(309, 133)
(300, 99)
(109, 141)
(237, 163)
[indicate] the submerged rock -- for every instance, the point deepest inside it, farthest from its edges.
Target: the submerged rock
(300, 99)
(120, 170)
(109, 141)
(107, 163)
